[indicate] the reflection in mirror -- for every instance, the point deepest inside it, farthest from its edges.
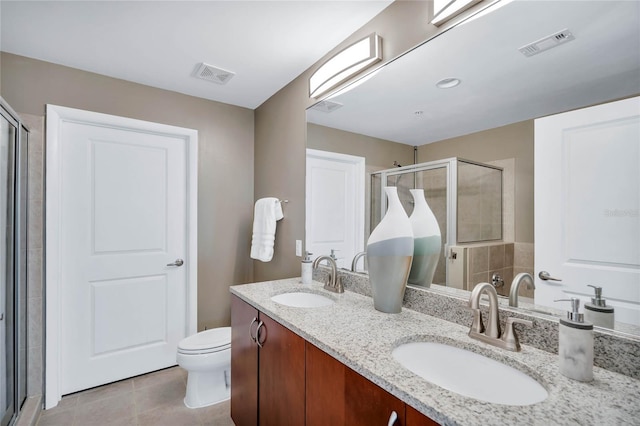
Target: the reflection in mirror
(464, 196)
(488, 117)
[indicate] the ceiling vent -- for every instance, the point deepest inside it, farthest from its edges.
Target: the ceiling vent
(547, 43)
(327, 106)
(214, 74)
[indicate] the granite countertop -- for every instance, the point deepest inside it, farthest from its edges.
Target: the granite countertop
(353, 332)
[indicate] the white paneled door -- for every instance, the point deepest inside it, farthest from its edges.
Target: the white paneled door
(124, 248)
(587, 206)
(335, 205)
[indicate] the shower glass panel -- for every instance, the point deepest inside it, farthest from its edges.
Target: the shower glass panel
(434, 183)
(374, 204)
(21, 261)
(479, 202)
(13, 264)
(465, 197)
(8, 139)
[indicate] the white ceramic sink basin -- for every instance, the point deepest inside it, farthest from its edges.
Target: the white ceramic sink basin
(469, 374)
(299, 299)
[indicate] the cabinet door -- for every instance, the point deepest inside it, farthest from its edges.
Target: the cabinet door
(282, 375)
(325, 388)
(244, 364)
(368, 404)
(416, 418)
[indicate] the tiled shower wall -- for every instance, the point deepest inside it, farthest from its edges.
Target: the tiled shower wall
(505, 259)
(35, 255)
(523, 261)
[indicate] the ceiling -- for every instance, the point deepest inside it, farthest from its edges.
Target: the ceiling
(160, 43)
(499, 85)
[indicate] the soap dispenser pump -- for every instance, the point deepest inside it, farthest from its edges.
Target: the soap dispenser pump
(307, 268)
(597, 312)
(575, 344)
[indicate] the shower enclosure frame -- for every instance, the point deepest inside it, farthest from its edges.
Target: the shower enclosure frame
(452, 169)
(15, 314)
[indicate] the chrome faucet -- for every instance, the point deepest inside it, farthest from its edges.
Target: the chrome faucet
(334, 284)
(357, 257)
(492, 335)
(493, 324)
(515, 287)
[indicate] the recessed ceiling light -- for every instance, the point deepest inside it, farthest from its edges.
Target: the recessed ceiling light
(448, 83)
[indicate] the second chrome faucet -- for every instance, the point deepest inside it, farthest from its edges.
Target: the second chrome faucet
(492, 334)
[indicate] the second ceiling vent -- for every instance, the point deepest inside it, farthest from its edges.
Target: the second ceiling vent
(547, 43)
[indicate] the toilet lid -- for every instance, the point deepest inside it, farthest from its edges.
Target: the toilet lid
(212, 340)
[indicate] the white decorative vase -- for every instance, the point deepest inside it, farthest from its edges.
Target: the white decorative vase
(427, 241)
(389, 255)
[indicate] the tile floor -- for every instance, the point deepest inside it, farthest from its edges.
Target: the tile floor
(154, 399)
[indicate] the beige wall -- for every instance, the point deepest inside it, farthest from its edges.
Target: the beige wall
(225, 164)
(379, 153)
(280, 131)
(512, 141)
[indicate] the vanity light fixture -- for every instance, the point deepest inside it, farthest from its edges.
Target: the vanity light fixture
(345, 64)
(448, 83)
(443, 10)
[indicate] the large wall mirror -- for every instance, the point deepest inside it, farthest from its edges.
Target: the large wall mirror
(472, 93)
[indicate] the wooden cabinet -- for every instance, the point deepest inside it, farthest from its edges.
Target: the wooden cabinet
(369, 404)
(416, 418)
(281, 375)
(244, 363)
(267, 370)
(279, 379)
(337, 395)
(325, 389)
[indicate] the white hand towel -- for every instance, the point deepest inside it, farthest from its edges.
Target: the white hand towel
(266, 213)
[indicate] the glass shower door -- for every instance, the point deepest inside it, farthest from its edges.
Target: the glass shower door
(8, 137)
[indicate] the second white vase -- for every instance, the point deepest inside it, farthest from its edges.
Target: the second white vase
(427, 241)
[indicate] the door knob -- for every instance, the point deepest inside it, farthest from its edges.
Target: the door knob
(178, 262)
(545, 276)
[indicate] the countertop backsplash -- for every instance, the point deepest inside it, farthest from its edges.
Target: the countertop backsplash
(612, 351)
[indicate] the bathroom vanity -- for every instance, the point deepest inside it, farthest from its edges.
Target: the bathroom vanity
(287, 380)
(333, 364)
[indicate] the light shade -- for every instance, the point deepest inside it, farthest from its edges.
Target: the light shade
(345, 64)
(443, 10)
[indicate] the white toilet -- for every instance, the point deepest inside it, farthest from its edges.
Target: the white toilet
(207, 358)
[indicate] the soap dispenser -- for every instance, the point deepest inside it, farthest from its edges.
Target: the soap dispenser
(597, 312)
(307, 268)
(575, 344)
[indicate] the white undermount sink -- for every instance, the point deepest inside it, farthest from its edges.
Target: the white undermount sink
(469, 374)
(299, 299)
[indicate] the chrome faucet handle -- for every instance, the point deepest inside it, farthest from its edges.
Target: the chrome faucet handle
(497, 280)
(339, 286)
(509, 337)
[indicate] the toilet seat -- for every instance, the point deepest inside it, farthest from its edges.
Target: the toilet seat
(205, 342)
